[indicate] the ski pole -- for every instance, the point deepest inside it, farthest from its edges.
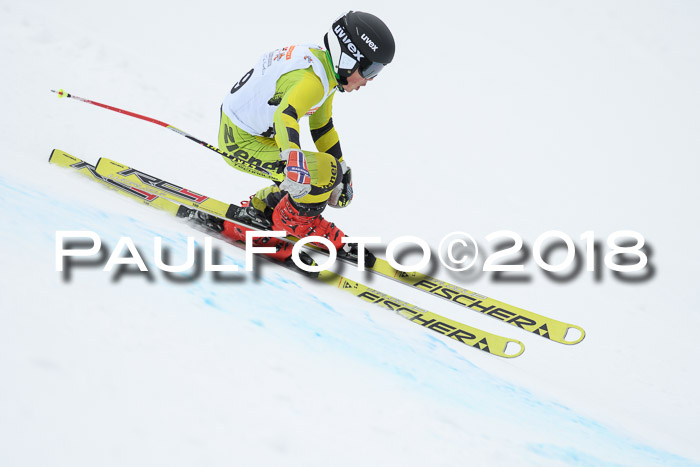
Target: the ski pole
(240, 164)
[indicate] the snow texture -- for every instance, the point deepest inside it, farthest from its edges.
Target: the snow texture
(526, 116)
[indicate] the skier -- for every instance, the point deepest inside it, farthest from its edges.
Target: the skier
(259, 125)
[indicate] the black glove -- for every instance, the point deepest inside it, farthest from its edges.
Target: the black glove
(342, 194)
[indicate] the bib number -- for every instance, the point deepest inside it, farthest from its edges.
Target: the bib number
(243, 80)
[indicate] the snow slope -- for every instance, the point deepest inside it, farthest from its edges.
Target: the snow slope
(526, 116)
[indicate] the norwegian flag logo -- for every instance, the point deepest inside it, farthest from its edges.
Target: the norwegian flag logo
(297, 170)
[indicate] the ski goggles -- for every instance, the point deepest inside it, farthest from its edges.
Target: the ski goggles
(371, 70)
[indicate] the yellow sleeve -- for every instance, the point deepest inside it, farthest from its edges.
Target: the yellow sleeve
(323, 132)
(300, 90)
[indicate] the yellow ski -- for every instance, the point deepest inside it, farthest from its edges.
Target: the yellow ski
(543, 326)
(473, 337)
(135, 178)
(527, 320)
(64, 159)
(482, 340)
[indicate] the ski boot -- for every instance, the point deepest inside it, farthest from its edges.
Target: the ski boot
(289, 217)
(283, 253)
(237, 233)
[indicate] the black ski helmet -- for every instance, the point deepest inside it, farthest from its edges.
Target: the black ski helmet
(359, 40)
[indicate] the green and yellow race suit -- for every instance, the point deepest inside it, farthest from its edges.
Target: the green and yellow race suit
(260, 118)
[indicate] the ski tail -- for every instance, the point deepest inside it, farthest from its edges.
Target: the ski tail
(135, 178)
(63, 159)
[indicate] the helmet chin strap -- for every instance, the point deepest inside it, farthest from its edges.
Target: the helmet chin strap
(341, 81)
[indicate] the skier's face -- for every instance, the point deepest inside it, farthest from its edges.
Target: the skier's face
(355, 82)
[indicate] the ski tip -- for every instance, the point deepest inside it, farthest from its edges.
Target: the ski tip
(61, 93)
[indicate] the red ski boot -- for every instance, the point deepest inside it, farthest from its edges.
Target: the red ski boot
(237, 232)
(287, 217)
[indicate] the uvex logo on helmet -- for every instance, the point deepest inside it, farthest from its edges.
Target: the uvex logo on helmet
(343, 36)
(370, 42)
